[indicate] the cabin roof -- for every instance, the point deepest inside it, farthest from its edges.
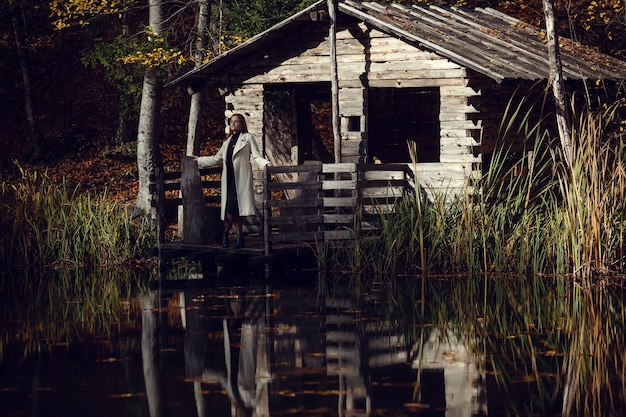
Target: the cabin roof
(482, 39)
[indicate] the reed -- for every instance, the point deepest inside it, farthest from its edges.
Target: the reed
(43, 308)
(548, 344)
(531, 214)
(593, 190)
(47, 223)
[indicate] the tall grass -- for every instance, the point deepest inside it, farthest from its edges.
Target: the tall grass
(547, 344)
(42, 307)
(531, 213)
(47, 223)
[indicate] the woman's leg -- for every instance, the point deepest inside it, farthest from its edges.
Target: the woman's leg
(238, 225)
(239, 229)
(228, 222)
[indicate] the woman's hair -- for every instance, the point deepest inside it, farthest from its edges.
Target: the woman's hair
(244, 125)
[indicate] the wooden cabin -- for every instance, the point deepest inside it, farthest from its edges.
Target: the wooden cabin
(440, 77)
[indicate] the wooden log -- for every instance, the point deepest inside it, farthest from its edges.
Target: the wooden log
(201, 225)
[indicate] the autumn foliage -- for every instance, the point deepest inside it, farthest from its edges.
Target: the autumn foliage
(84, 82)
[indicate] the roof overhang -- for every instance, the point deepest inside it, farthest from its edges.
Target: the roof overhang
(482, 39)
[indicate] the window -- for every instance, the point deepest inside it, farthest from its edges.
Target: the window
(397, 115)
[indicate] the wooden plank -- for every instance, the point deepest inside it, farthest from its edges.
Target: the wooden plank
(290, 220)
(312, 167)
(401, 82)
(383, 167)
(339, 185)
(407, 69)
(338, 235)
(309, 185)
(382, 183)
(383, 176)
(338, 167)
(352, 107)
(339, 201)
(459, 91)
(296, 203)
(395, 192)
(347, 94)
(211, 184)
(338, 218)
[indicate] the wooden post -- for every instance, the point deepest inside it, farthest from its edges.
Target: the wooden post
(158, 201)
(334, 80)
(201, 224)
(267, 212)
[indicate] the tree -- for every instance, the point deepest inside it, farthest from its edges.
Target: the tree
(151, 55)
(200, 55)
(148, 153)
(126, 78)
(36, 144)
(556, 80)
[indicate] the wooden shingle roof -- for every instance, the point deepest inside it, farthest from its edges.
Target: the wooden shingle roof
(483, 39)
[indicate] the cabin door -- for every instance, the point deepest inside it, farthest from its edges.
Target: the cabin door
(297, 123)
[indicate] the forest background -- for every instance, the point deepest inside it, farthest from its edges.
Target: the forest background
(71, 75)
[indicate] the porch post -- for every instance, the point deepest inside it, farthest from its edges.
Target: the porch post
(334, 81)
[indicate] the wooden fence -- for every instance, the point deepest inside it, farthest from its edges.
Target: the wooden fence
(317, 202)
(313, 202)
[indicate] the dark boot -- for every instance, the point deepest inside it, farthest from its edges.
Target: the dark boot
(225, 240)
(239, 243)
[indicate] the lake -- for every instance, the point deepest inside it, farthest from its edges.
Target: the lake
(348, 346)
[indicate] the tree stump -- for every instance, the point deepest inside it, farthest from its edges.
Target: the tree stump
(202, 224)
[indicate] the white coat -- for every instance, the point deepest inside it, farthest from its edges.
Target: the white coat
(246, 151)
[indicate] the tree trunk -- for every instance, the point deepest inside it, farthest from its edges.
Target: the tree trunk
(556, 79)
(195, 107)
(36, 143)
(199, 55)
(149, 361)
(148, 153)
(123, 129)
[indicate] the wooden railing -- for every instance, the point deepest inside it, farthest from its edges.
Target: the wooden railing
(318, 202)
(312, 202)
(201, 208)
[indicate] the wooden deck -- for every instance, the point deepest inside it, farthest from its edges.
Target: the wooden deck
(303, 209)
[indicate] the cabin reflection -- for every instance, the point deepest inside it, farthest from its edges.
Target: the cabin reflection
(256, 352)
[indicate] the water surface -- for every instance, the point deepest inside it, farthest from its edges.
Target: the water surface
(467, 346)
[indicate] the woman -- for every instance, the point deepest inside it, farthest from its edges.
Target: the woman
(236, 156)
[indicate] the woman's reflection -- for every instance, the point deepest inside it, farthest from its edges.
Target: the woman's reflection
(238, 362)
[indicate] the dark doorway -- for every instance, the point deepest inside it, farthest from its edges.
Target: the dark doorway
(398, 115)
(298, 122)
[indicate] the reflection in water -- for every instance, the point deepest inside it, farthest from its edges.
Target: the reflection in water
(256, 352)
(504, 346)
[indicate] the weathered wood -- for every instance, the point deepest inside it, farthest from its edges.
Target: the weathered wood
(202, 224)
(334, 78)
(291, 220)
(158, 201)
(339, 201)
(296, 203)
(372, 189)
(339, 185)
(297, 223)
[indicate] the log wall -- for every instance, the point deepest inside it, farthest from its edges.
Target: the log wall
(367, 58)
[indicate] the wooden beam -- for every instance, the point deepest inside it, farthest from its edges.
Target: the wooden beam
(334, 78)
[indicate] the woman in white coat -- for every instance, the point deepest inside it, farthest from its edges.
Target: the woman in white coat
(236, 155)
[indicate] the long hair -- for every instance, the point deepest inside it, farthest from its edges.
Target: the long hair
(244, 125)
